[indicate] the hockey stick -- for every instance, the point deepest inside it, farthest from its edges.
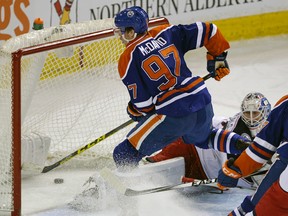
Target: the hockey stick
(256, 173)
(96, 141)
(88, 146)
(207, 76)
(195, 183)
(116, 183)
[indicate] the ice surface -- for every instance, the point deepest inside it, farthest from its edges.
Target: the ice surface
(256, 65)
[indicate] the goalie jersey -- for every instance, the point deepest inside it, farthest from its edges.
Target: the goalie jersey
(153, 69)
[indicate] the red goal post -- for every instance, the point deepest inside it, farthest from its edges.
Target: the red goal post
(62, 83)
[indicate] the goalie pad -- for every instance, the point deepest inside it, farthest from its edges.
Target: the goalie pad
(158, 174)
(34, 153)
(99, 195)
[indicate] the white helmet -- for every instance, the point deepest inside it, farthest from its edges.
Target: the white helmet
(255, 109)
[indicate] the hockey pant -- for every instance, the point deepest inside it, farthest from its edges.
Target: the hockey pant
(155, 131)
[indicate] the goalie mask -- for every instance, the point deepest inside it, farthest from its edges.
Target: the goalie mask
(255, 109)
(134, 17)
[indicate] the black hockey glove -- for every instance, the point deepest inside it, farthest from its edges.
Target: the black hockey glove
(133, 112)
(217, 66)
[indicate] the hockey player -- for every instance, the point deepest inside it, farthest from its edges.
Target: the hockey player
(165, 98)
(271, 196)
(205, 163)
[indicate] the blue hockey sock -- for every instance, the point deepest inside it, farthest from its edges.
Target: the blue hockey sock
(125, 155)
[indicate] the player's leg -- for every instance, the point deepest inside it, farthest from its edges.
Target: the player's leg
(200, 130)
(125, 155)
(143, 140)
(275, 197)
(204, 136)
(155, 132)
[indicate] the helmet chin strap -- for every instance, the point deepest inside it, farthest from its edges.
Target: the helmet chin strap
(254, 131)
(128, 40)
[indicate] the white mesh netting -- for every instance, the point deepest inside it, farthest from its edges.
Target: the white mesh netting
(72, 94)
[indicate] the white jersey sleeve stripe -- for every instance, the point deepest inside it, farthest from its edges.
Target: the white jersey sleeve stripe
(228, 143)
(214, 30)
(200, 33)
(179, 97)
(264, 144)
(255, 157)
(216, 139)
(144, 103)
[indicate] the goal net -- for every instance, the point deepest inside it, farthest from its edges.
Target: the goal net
(59, 91)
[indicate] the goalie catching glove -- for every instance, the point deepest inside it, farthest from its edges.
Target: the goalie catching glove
(133, 113)
(217, 66)
(229, 175)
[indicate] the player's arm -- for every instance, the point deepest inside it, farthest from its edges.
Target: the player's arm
(136, 107)
(260, 151)
(140, 102)
(217, 47)
(201, 34)
(214, 41)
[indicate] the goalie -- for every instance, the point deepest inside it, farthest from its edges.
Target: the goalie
(205, 163)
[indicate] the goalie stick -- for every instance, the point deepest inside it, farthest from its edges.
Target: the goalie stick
(88, 146)
(116, 183)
